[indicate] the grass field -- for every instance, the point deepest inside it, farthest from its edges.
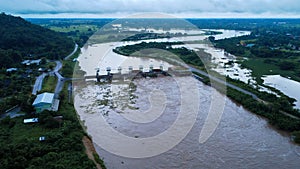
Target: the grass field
(260, 68)
(80, 28)
(49, 84)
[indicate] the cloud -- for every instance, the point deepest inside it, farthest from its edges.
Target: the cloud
(137, 6)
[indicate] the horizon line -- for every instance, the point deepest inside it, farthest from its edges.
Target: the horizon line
(156, 18)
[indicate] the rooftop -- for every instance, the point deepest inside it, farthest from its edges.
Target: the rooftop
(44, 98)
(33, 120)
(11, 69)
(29, 62)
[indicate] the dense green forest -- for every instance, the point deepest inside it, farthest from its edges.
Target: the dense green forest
(19, 39)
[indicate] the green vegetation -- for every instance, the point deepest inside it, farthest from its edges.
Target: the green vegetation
(262, 66)
(282, 103)
(20, 39)
(68, 69)
(271, 51)
(188, 56)
(275, 49)
(296, 136)
(99, 161)
(49, 84)
(80, 30)
(63, 148)
(272, 110)
(15, 89)
(143, 36)
(290, 25)
(13, 83)
(270, 107)
(76, 28)
(20, 146)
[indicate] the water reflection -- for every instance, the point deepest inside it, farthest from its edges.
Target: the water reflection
(287, 86)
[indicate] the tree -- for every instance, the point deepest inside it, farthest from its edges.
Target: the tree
(286, 65)
(43, 61)
(211, 38)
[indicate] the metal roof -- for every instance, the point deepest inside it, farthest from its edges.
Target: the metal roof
(29, 62)
(33, 120)
(44, 98)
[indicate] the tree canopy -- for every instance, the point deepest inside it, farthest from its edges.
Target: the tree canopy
(21, 39)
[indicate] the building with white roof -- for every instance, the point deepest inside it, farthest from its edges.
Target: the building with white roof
(12, 69)
(45, 101)
(32, 120)
(30, 62)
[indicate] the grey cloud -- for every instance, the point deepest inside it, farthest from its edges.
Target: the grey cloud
(132, 6)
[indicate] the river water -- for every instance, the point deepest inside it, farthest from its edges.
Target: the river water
(241, 139)
(100, 56)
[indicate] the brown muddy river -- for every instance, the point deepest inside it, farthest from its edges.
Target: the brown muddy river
(144, 114)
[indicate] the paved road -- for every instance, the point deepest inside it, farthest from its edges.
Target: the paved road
(71, 54)
(238, 89)
(223, 82)
(60, 79)
(38, 83)
(39, 80)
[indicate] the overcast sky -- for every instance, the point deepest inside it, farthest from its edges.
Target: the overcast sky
(178, 8)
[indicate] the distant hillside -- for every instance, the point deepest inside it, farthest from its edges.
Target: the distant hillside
(20, 39)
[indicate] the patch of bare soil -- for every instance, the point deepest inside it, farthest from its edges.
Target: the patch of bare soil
(90, 149)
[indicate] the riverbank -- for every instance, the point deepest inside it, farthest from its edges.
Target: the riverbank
(278, 110)
(250, 134)
(240, 138)
(21, 147)
(68, 67)
(91, 152)
(269, 110)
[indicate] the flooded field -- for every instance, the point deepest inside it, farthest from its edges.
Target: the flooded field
(287, 86)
